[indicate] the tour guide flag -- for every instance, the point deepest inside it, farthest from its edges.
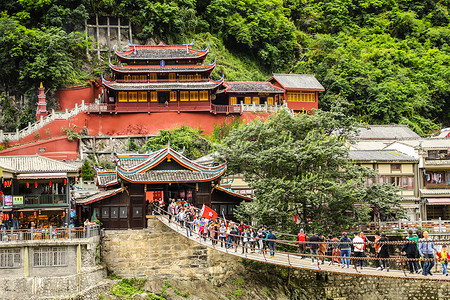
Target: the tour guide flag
(208, 213)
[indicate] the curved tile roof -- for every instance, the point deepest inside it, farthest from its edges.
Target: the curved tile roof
(162, 52)
(35, 164)
(298, 81)
(159, 69)
(189, 85)
(252, 87)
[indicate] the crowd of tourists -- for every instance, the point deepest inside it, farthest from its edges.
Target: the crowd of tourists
(418, 247)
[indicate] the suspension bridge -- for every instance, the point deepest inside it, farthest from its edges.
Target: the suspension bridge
(303, 261)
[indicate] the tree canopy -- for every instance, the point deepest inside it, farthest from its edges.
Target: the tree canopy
(298, 165)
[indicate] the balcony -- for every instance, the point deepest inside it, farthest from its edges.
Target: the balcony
(43, 200)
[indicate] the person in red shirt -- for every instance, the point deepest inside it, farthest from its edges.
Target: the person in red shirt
(301, 237)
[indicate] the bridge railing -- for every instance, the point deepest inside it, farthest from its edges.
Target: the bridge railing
(263, 247)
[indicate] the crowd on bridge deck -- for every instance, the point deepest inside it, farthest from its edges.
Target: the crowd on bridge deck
(418, 247)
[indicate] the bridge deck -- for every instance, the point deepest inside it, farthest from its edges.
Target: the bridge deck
(295, 261)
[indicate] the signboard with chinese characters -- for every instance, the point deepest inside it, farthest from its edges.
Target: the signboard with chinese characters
(17, 200)
(8, 200)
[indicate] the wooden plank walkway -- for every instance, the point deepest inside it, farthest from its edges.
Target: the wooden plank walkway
(295, 261)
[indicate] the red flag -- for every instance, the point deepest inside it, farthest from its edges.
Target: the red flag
(208, 213)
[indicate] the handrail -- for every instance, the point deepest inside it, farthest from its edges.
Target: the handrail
(288, 254)
(12, 234)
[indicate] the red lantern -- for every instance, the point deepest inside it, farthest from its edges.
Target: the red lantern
(35, 184)
(35, 214)
(64, 213)
(50, 184)
(21, 214)
(65, 181)
(7, 217)
(28, 185)
(4, 183)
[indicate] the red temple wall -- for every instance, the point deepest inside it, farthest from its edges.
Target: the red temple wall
(70, 96)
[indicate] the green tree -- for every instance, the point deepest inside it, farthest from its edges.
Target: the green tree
(184, 139)
(86, 171)
(298, 164)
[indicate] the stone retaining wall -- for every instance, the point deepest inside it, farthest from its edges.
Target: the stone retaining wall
(159, 251)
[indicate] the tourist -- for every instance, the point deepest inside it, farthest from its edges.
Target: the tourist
(234, 233)
(384, 252)
(444, 256)
(252, 239)
(377, 249)
(322, 246)
(345, 248)
(426, 247)
(410, 248)
(271, 242)
(222, 234)
(260, 235)
(329, 251)
(358, 244)
(301, 237)
(336, 251)
(419, 236)
(245, 240)
(313, 246)
(366, 241)
(229, 242)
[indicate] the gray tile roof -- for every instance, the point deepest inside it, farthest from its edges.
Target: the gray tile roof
(101, 194)
(298, 81)
(35, 164)
(386, 132)
(166, 69)
(171, 176)
(369, 145)
(434, 192)
(205, 85)
(251, 87)
(380, 155)
(107, 179)
(436, 144)
(156, 53)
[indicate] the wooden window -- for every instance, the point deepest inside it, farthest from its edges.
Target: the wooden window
(135, 77)
(396, 167)
(248, 100)
(182, 77)
(190, 77)
(301, 97)
(203, 95)
(152, 76)
(123, 97)
(142, 96)
(269, 100)
(198, 76)
(194, 95)
(153, 97)
(233, 100)
(172, 76)
(127, 78)
(173, 96)
(256, 100)
(132, 97)
(184, 96)
(143, 77)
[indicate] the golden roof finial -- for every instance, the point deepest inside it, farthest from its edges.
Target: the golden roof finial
(41, 86)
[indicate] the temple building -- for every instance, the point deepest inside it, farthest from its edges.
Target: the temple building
(140, 179)
(175, 78)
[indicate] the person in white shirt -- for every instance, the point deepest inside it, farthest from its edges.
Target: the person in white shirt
(358, 249)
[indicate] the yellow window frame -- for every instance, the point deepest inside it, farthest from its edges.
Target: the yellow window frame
(184, 96)
(193, 95)
(153, 97)
(142, 96)
(233, 100)
(269, 100)
(132, 96)
(248, 100)
(203, 95)
(256, 100)
(173, 96)
(123, 97)
(152, 76)
(172, 76)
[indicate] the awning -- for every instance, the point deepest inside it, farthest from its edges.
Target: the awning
(409, 206)
(438, 201)
(42, 176)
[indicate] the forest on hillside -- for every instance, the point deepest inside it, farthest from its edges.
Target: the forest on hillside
(387, 61)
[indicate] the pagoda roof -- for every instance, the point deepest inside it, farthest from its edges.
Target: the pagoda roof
(251, 87)
(168, 85)
(162, 52)
(298, 82)
(159, 69)
(144, 171)
(141, 168)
